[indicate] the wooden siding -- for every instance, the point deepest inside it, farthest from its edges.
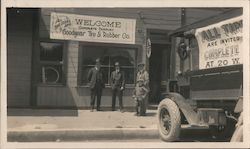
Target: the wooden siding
(65, 96)
(19, 50)
(72, 63)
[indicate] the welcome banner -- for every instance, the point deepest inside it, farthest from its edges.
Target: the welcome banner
(92, 28)
(221, 44)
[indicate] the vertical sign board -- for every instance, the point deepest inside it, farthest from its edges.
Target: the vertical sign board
(92, 28)
(220, 44)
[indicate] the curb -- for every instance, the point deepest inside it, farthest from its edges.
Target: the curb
(82, 135)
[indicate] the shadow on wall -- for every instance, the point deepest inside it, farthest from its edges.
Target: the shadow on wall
(51, 101)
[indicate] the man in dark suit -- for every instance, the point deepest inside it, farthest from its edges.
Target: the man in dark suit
(117, 81)
(96, 84)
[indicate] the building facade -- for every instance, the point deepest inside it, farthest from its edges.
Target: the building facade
(46, 70)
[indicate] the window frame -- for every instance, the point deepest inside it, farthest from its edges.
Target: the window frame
(135, 47)
(63, 63)
(194, 53)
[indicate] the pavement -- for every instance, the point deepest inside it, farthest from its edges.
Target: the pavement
(50, 125)
(64, 125)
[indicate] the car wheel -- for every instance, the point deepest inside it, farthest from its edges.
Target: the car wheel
(169, 120)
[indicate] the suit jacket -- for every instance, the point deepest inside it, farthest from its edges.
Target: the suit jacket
(117, 80)
(144, 76)
(95, 76)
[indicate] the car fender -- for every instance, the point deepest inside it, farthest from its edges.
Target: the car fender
(185, 107)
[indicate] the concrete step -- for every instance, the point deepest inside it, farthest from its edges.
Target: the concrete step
(97, 134)
(82, 135)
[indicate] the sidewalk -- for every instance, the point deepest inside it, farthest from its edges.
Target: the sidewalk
(38, 125)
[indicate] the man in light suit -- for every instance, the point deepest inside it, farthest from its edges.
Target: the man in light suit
(143, 75)
(117, 81)
(96, 84)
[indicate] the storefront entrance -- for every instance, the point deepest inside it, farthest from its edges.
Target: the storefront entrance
(159, 64)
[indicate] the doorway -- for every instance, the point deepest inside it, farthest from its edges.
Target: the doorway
(159, 71)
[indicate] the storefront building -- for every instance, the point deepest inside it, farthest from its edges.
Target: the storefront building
(51, 50)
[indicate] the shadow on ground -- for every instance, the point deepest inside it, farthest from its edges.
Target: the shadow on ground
(41, 112)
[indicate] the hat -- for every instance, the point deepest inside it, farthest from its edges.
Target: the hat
(117, 64)
(97, 60)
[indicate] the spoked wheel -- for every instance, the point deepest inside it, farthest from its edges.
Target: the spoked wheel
(165, 121)
(169, 120)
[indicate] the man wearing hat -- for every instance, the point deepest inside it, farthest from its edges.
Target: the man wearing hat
(96, 84)
(143, 76)
(117, 81)
(140, 93)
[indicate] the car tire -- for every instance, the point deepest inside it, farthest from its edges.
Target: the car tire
(169, 120)
(238, 134)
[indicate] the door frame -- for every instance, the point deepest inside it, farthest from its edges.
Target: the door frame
(153, 35)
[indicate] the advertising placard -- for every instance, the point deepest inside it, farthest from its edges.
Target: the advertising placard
(220, 44)
(92, 28)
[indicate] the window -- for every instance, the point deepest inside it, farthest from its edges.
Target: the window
(51, 63)
(108, 56)
(194, 53)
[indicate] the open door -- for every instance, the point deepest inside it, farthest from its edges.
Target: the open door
(159, 71)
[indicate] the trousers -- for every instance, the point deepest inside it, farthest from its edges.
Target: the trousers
(96, 92)
(115, 92)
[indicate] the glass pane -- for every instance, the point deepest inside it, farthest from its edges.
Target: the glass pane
(84, 76)
(51, 74)
(91, 53)
(129, 75)
(85, 70)
(126, 57)
(105, 71)
(51, 51)
(108, 56)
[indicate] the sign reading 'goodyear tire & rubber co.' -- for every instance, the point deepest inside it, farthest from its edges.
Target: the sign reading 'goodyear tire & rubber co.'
(92, 28)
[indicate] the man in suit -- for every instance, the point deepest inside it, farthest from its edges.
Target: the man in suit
(117, 81)
(143, 75)
(96, 84)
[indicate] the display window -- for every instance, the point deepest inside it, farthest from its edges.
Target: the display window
(108, 56)
(51, 63)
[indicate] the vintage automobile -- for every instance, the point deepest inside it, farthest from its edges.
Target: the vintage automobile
(207, 89)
